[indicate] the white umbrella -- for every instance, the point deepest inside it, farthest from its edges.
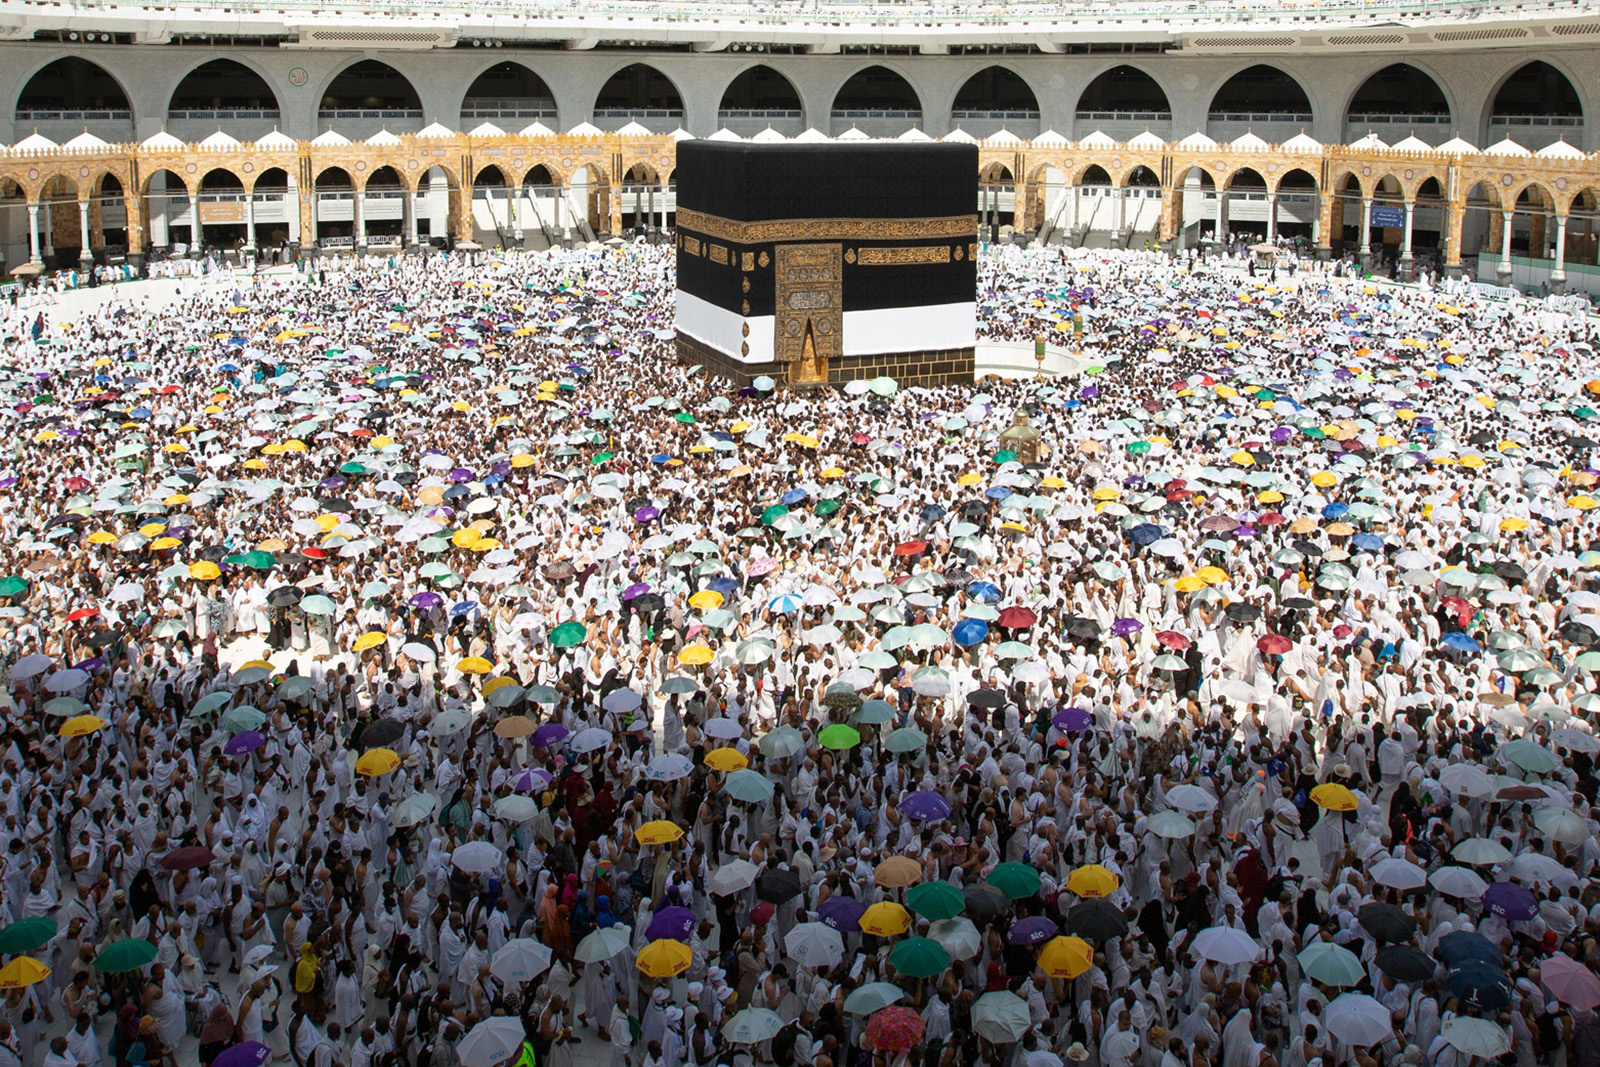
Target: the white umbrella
(621, 701)
(723, 729)
(516, 808)
(1476, 1037)
(752, 1026)
(1170, 824)
(669, 767)
(477, 857)
(1481, 852)
(591, 740)
(31, 666)
(1001, 1017)
(1191, 798)
(957, 936)
(1458, 882)
(733, 877)
(491, 1042)
(814, 945)
(1226, 944)
(1358, 1019)
(1399, 874)
(1467, 779)
(603, 944)
(1563, 824)
(66, 681)
(521, 960)
(413, 810)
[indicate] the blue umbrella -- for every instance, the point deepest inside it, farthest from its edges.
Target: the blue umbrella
(793, 496)
(997, 492)
(1143, 534)
(926, 805)
(1480, 986)
(969, 632)
(1366, 542)
(984, 592)
(1466, 946)
(1335, 511)
(1510, 901)
(1460, 642)
(784, 604)
(243, 742)
(722, 584)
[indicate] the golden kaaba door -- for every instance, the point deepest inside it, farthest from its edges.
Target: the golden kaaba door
(810, 309)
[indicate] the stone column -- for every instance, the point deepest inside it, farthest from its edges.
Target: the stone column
(1453, 214)
(85, 253)
(408, 216)
(50, 230)
(1272, 217)
(1222, 215)
(563, 231)
(358, 224)
(1502, 272)
(34, 254)
(250, 220)
(197, 232)
(663, 208)
(649, 212)
(132, 210)
(1405, 240)
(1121, 193)
(1558, 274)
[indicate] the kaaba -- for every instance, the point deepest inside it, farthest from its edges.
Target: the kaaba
(819, 264)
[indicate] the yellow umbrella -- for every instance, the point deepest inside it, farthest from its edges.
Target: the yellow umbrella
(1513, 525)
(1052, 482)
(897, 872)
(294, 444)
(205, 571)
(263, 664)
(175, 446)
(1226, 392)
(1582, 503)
(370, 639)
(460, 405)
(22, 971)
(665, 958)
(474, 665)
(1066, 957)
(886, 919)
(1271, 496)
(1190, 583)
(659, 832)
(968, 480)
(1334, 797)
(1473, 462)
(1092, 880)
(1212, 575)
(833, 472)
(175, 499)
(254, 465)
(79, 725)
(105, 537)
(498, 682)
(151, 529)
(161, 544)
(726, 760)
(1106, 493)
(465, 537)
(1243, 458)
(515, 726)
(695, 655)
(705, 600)
(376, 761)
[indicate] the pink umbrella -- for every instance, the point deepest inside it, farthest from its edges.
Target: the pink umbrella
(1570, 981)
(764, 565)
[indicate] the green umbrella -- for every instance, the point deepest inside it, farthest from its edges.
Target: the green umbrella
(906, 739)
(685, 418)
(568, 634)
(433, 544)
(319, 605)
(1139, 448)
(1016, 880)
(919, 957)
(883, 386)
(601, 458)
(352, 468)
(238, 720)
(773, 514)
(128, 954)
(873, 712)
(839, 736)
(13, 585)
(936, 900)
(27, 934)
(827, 507)
(1005, 455)
(258, 559)
(749, 786)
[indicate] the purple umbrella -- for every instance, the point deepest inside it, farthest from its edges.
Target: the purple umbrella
(675, 923)
(646, 514)
(531, 779)
(333, 482)
(1281, 434)
(1244, 531)
(843, 914)
(427, 600)
(551, 733)
(925, 805)
(637, 589)
(1072, 720)
(1089, 392)
(461, 474)
(1124, 627)
(241, 743)
(502, 468)
(1033, 931)
(244, 1054)
(92, 664)
(1510, 901)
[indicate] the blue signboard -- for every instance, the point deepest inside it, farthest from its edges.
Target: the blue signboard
(1388, 216)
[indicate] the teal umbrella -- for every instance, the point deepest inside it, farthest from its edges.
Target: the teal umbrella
(749, 786)
(906, 739)
(1016, 880)
(13, 585)
(773, 514)
(238, 720)
(25, 935)
(568, 634)
(936, 900)
(919, 957)
(128, 954)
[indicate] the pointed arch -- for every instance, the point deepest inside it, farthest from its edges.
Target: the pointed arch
(1124, 93)
(1261, 93)
(638, 93)
(368, 85)
(878, 101)
(508, 90)
(72, 89)
(221, 88)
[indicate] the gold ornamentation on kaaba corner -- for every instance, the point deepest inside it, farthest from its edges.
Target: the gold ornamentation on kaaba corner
(744, 307)
(747, 261)
(809, 298)
(744, 349)
(717, 253)
(744, 284)
(916, 254)
(972, 251)
(744, 329)
(691, 246)
(850, 256)
(843, 229)
(763, 260)
(961, 253)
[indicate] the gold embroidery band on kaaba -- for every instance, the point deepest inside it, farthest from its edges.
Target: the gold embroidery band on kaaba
(898, 257)
(748, 233)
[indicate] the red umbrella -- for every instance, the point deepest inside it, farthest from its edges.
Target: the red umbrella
(1174, 640)
(169, 390)
(1274, 645)
(911, 548)
(188, 858)
(859, 438)
(894, 1029)
(81, 614)
(1017, 618)
(1271, 518)
(1462, 609)
(313, 553)
(75, 484)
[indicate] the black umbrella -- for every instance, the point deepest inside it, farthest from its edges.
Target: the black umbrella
(932, 513)
(101, 638)
(1386, 922)
(1307, 548)
(1096, 920)
(382, 734)
(1299, 603)
(333, 503)
(1578, 633)
(1239, 611)
(777, 886)
(647, 603)
(1079, 627)
(989, 699)
(984, 901)
(285, 596)
(1468, 946)
(1480, 987)
(974, 509)
(214, 553)
(1511, 572)
(1405, 963)
(959, 576)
